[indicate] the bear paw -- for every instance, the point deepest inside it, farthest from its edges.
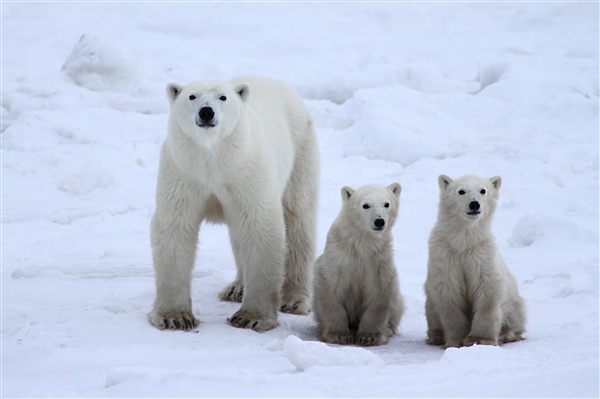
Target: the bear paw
(436, 337)
(509, 336)
(338, 337)
(234, 292)
(471, 340)
(453, 343)
(244, 319)
(371, 339)
(173, 320)
(296, 306)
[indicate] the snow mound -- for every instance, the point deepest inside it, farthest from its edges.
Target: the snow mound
(152, 375)
(305, 354)
(479, 357)
(533, 228)
(492, 72)
(82, 183)
(102, 65)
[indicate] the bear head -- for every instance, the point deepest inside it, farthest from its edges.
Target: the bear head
(470, 198)
(207, 111)
(372, 208)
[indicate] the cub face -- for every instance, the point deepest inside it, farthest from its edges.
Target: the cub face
(469, 197)
(207, 111)
(372, 207)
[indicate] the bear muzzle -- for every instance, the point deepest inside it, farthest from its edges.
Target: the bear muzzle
(206, 118)
(474, 208)
(379, 225)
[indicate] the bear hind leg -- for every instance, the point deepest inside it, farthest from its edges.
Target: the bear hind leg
(300, 233)
(300, 203)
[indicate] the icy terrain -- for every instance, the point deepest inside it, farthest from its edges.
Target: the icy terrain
(399, 92)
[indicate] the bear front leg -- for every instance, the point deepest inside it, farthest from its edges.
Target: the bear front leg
(174, 236)
(260, 244)
(373, 323)
(455, 323)
(486, 325)
(173, 252)
(330, 313)
(435, 331)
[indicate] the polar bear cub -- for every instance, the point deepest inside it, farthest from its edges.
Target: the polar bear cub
(471, 296)
(244, 153)
(356, 293)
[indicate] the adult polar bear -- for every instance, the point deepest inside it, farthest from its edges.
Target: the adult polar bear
(244, 153)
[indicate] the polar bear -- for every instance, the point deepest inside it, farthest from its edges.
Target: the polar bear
(471, 296)
(244, 153)
(356, 291)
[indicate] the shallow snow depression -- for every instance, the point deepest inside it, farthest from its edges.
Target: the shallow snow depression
(399, 92)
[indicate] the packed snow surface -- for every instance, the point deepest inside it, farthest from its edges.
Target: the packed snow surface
(398, 91)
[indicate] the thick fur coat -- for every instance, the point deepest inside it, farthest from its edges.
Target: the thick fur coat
(471, 296)
(243, 153)
(356, 291)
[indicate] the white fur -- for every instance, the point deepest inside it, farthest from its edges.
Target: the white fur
(356, 292)
(471, 296)
(254, 166)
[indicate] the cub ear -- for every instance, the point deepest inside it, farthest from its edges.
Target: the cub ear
(347, 193)
(496, 181)
(444, 181)
(243, 90)
(173, 90)
(395, 188)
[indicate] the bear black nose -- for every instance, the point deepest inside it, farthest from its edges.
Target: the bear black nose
(474, 206)
(379, 222)
(206, 113)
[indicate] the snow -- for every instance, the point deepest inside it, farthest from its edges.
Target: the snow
(399, 92)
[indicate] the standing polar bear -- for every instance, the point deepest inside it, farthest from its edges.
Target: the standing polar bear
(356, 293)
(244, 153)
(471, 296)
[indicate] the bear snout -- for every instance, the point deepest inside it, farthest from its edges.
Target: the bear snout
(379, 224)
(474, 208)
(206, 115)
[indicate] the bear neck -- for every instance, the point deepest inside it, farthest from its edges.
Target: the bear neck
(221, 155)
(462, 233)
(363, 243)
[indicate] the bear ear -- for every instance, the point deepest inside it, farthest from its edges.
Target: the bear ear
(444, 181)
(395, 188)
(243, 90)
(496, 181)
(173, 90)
(347, 193)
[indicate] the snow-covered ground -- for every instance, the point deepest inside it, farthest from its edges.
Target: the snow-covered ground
(399, 92)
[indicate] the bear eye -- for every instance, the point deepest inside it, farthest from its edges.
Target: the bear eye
(482, 191)
(366, 206)
(387, 205)
(222, 98)
(461, 192)
(192, 97)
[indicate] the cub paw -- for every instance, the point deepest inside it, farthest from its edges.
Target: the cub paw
(234, 292)
(510, 336)
(296, 306)
(338, 337)
(436, 337)
(371, 339)
(471, 340)
(173, 320)
(244, 319)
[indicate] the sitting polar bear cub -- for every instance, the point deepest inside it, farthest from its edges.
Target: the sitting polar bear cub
(471, 296)
(356, 293)
(244, 153)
